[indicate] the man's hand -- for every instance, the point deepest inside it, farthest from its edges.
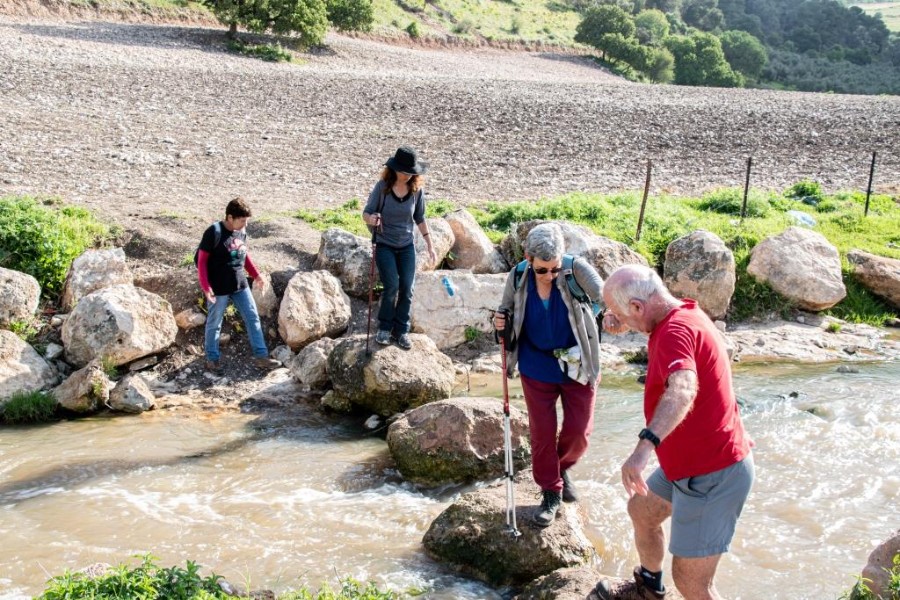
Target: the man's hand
(210, 296)
(633, 469)
(260, 283)
(612, 324)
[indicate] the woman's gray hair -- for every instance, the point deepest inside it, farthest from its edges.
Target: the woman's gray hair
(545, 242)
(635, 282)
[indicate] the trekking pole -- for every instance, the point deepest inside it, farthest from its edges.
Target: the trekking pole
(371, 286)
(507, 436)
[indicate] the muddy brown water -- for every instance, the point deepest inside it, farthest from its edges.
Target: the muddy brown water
(300, 499)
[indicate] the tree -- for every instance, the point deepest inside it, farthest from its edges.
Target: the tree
(308, 18)
(699, 60)
(744, 53)
(601, 21)
(666, 6)
(702, 14)
(651, 27)
(350, 15)
(660, 65)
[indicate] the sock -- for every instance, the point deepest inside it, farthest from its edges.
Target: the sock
(652, 579)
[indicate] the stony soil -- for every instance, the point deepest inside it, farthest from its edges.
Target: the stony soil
(156, 126)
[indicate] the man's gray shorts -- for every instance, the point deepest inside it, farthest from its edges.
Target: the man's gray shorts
(705, 509)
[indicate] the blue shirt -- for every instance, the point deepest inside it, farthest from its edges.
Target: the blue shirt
(545, 329)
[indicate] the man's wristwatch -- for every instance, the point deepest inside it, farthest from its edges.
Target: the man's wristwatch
(651, 437)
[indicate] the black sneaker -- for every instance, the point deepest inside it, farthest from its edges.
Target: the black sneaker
(549, 507)
(383, 337)
(403, 341)
(569, 493)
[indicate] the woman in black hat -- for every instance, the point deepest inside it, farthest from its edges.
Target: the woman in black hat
(396, 203)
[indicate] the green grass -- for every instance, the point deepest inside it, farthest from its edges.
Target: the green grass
(839, 218)
(149, 581)
(41, 238)
(267, 52)
(24, 408)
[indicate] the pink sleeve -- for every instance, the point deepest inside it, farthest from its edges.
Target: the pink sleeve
(251, 268)
(202, 259)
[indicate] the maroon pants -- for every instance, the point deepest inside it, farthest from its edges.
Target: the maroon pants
(551, 455)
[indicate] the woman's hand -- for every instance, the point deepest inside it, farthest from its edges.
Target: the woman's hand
(499, 321)
(432, 256)
(373, 219)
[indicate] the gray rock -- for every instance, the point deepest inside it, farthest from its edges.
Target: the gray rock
(472, 249)
(131, 395)
(313, 306)
(456, 440)
(20, 294)
(92, 271)
(310, 366)
(85, 391)
(22, 369)
(878, 274)
(700, 266)
(347, 257)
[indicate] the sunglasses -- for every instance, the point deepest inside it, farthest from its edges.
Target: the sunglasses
(545, 270)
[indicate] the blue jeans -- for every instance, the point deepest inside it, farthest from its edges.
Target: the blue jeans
(243, 300)
(397, 270)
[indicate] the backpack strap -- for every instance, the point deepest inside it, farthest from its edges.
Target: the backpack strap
(520, 272)
(217, 233)
(568, 264)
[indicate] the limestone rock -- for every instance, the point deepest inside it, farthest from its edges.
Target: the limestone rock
(132, 395)
(446, 318)
(700, 266)
(470, 536)
(390, 380)
(577, 583)
(441, 240)
(86, 390)
(880, 563)
(313, 306)
(121, 323)
(22, 369)
(20, 294)
(189, 318)
(347, 257)
(457, 440)
(310, 366)
(472, 249)
(95, 270)
(878, 274)
(802, 266)
(264, 296)
(604, 254)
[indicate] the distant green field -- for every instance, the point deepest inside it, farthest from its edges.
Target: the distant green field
(890, 13)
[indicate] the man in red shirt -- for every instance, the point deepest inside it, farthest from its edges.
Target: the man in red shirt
(693, 424)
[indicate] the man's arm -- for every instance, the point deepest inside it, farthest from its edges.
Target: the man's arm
(675, 404)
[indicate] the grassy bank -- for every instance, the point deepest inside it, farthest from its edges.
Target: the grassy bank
(838, 217)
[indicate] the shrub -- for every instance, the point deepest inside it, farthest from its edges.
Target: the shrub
(307, 18)
(413, 30)
(471, 333)
(29, 407)
(350, 15)
(268, 52)
(805, 189)
(729, 201)
(43, 241)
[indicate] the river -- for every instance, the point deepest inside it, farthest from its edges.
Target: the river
(281, 500)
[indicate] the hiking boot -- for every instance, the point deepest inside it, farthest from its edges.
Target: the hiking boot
(569, 493)
(404, 342)
(264, 362)
(383, 337)
(549, 507)
(604, 590)
(214, 367)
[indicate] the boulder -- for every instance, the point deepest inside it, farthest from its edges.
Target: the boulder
(86, 390)
(880, 562)
(310, 366)
(445, 318)
(313, 306)
(577, 583)
(22, 369)
(700, 266)
(604, 254)
(120, 323)
(878, 274)
(20, 294)
(390, 380)
(441, 240)
(131, 395)
(802, 266)
(264, 296)
(472, 249)
(347, 257)
(471, 536)
(92, 271)
(457, 441)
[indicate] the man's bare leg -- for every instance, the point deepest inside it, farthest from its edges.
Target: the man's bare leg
(647, 514)
(694, 577)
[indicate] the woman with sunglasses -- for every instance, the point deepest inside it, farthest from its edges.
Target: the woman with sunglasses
(550, 325)
(396, 204)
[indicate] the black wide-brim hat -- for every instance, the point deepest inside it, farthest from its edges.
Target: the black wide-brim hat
(405, 160)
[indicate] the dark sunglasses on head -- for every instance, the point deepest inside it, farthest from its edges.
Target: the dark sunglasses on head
(545, 270)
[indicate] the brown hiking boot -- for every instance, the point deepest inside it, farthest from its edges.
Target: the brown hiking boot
(215, 367)
(264, 362)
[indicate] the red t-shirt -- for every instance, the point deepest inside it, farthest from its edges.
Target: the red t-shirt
(711, 436)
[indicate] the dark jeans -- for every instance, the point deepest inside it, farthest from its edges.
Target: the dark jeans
(397, 270)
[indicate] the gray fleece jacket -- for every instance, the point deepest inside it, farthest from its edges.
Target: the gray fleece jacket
(581, 317)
